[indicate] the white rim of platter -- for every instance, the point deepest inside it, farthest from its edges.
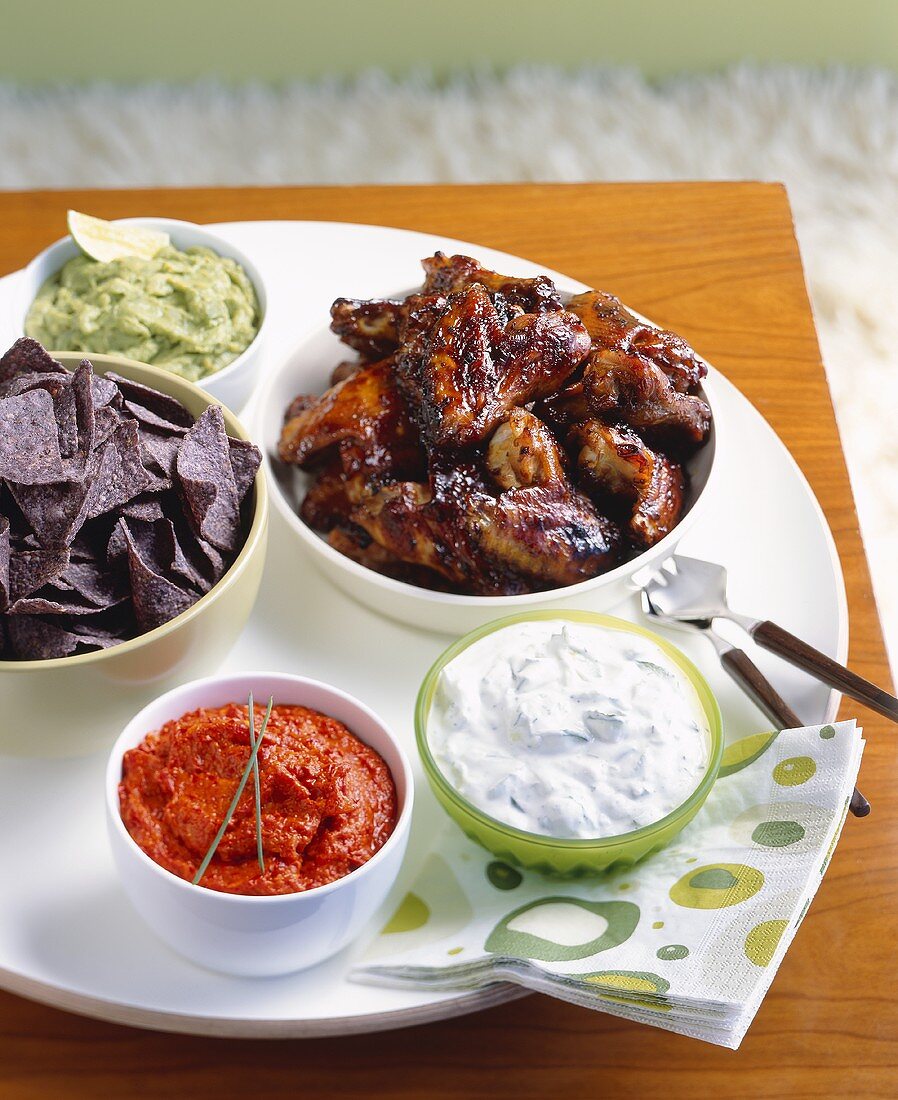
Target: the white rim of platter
(68, 936)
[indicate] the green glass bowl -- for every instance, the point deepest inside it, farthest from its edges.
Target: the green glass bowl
(568, 857)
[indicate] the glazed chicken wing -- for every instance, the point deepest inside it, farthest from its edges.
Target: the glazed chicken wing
(373, 328)
(619, 387)
(522, 451)
(520, 540)
(450, 274)
(402, 519)
(422, 313)
(346, 369)
(614, 462)
(471, 369)
(549, 535)
(365, 411)
(370, 328)
(334, 493)
(613, 327)
(357, 544)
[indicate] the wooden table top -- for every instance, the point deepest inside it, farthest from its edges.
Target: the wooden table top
(719, 263)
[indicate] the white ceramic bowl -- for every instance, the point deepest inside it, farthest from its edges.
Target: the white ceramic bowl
(308, 370)
(258, 936)
(234, 383)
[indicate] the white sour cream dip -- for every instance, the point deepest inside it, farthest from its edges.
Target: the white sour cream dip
(568, 729)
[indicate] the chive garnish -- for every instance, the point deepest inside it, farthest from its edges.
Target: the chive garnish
(252, 745)
(240, 789)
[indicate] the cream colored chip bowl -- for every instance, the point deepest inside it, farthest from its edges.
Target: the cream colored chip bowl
(307, 371)
(74, 705)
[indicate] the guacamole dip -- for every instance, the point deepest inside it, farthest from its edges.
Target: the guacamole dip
(190, 312)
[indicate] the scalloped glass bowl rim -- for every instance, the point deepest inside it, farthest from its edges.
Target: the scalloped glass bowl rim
(706, 697)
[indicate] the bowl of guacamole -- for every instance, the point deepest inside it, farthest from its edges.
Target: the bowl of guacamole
(195, 308)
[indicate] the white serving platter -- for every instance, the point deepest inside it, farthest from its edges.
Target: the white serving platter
(68, 936)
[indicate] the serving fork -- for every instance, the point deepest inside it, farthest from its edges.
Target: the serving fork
(691, 589)
(735, 661)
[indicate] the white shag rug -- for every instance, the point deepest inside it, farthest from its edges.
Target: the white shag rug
(831, 136)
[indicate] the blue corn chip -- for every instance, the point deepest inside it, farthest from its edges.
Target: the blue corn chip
(92, 583)
(202, 560)
(155, 599)
(55, 513)
(65, 407)
(30, 570)
(120, 475)
(82, 390)
(147, 507)
(116, 547)
(207, 482)
(26, 356)
(29, 441)
(246, 459)
(103, 390)
(32, 638)
(54, 384)
(160, 549)
(159, 452)
(106, 420)
(4, 563)
(168, 408)
(52, 602)
(59, 387)
(153, 420)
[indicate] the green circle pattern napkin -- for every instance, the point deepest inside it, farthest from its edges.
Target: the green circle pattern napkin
(688, 940)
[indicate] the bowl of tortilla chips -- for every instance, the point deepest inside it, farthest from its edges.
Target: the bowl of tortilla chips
(133, 524)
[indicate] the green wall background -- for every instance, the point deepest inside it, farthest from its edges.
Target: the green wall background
(237, 40)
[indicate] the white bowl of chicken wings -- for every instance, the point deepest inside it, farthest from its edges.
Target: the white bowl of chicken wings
(485, 445)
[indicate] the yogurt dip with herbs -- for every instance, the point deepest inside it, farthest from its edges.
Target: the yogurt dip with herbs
(569, 730)
(190, 312)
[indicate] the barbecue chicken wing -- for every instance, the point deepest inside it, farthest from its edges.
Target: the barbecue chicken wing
(521, 540)
(613, 461)
(522, 451)
(613, 327)
(619, 387)
(365, 414)
(370, 328)
(422, 313)
(402, 519)
(334, 493)
(471, 369)
(450, 274)
(357, 544)
(346, 369)
(373, 328)
(550, 536)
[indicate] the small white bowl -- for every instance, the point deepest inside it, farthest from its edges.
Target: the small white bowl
(233, 384)
(307, 371)
(270, 935)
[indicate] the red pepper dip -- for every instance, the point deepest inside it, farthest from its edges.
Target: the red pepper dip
(328, 800)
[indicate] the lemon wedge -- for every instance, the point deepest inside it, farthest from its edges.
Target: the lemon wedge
(105, 241)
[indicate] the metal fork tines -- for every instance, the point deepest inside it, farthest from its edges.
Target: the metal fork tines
(688, 588)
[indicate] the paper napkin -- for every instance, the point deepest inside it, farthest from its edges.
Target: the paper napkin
(688, 940)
